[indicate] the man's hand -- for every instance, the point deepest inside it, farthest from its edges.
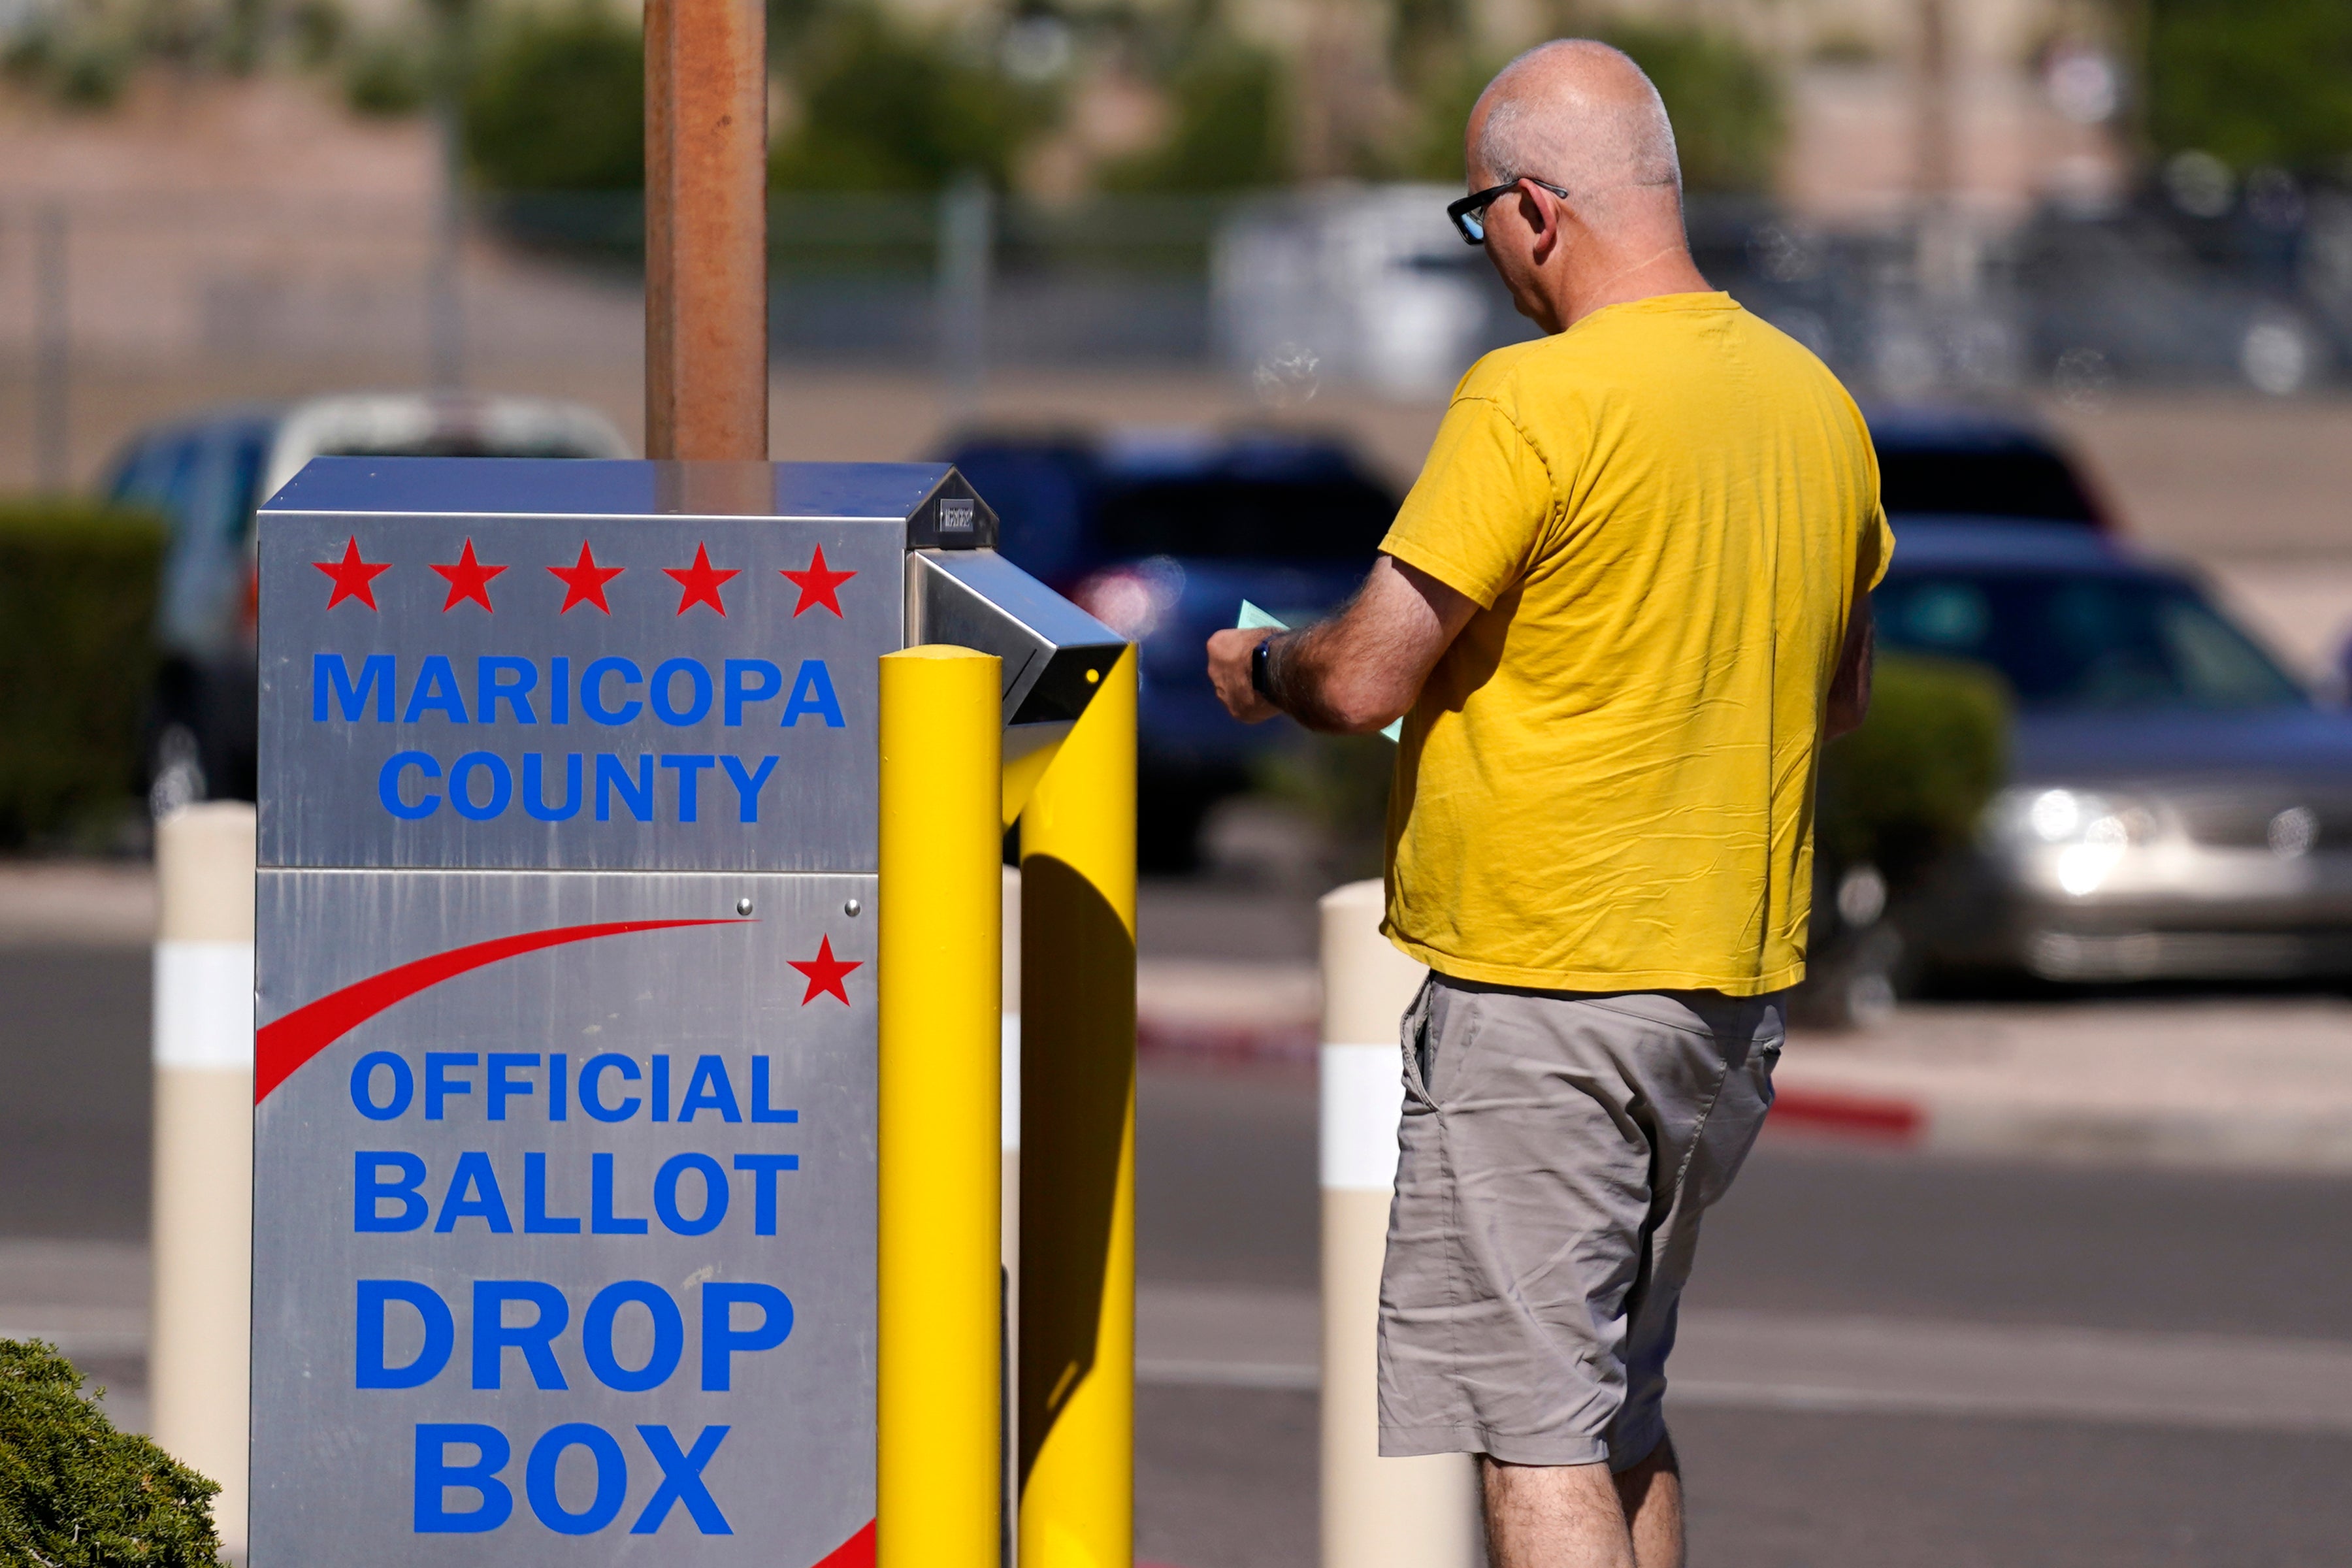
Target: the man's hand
(1849, 693)
(1230, 653)
(1358, 671)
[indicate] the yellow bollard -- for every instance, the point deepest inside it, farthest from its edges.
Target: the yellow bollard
(1076, 1356)
(938, 1475)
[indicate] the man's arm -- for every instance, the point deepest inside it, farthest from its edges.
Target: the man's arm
(1849, 701)
(1357, 671)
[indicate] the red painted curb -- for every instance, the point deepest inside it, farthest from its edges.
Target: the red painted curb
(1824, 1110)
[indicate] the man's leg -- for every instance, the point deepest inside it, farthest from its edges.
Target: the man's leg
(1573, 1516)
(1554, 1516)
(1652, 1496)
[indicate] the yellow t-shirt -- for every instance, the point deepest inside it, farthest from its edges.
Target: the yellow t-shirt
(1665, 514)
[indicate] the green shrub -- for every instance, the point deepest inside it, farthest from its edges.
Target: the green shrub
(557, 102)
(75, 1492)
(1906, 788)
(77, 586)
(1229, 130)
(885, 108)
(2252, 81)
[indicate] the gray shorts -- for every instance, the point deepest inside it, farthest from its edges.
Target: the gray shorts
(1557, 1150)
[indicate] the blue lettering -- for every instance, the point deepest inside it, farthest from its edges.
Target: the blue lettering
(682, 1482)
(612, 1479)
(592, 691)
(760, 1110)
(813, 693)
(536, 1220)
(387, 785)
(534, 788)
(461, 795)
(497, 1088)
(707, 1088)
(697, 679)
(435, 692)
(690, 773)
(763, 1168)
(403, 1086)
(661, 1086)
(602, 1220)
(440, 1334)
(741, 674)
(559, 690)
(438, 1085)
(714, 1194)
(559, 1067)
(474, 1194)
(596, 1335)
(494, 1336)
(748, 786)
(592, 1099)
(369, 1190)
(435, 1474)
(636, 795)
(721, 1340)
(502, 678)
(330, 673)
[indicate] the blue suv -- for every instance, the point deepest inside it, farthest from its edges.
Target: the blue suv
(1161, 535)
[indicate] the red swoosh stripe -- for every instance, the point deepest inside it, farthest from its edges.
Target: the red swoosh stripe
(280, 1047)
(857, 1552)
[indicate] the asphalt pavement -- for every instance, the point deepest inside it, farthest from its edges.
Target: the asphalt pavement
(1891, 1358)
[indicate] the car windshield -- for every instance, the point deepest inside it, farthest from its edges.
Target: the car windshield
(2016, 482)
(1246, 519)
(2085, 643)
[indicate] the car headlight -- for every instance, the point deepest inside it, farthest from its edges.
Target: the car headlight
(2085, 831)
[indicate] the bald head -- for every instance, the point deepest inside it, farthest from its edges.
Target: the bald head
(1579, 115)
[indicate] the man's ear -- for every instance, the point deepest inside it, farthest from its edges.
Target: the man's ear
(1546, 215)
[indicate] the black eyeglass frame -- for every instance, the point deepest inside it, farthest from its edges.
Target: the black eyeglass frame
(1469, 213)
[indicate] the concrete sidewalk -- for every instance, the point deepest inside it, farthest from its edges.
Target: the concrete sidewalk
(2253, 1082)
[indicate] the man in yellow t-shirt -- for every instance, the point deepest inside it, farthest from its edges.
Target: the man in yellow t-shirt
(1620, 612)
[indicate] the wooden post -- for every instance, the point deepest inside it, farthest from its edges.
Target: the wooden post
(706, 230)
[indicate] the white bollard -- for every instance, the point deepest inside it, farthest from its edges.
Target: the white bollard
(1377, 1513)
(198, 1349)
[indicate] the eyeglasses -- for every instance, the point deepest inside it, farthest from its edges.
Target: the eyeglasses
(1469, 213)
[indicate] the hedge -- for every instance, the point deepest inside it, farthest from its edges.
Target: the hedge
(77, 595)
(76, 1493)
(1908, 788)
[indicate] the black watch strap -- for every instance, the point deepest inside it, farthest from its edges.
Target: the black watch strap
(1261, 674)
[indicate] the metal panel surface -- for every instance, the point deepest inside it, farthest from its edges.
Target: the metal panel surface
(594, 1234)
(487, 689)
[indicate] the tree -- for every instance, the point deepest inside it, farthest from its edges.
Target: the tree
(557, 102)
(2251, 82)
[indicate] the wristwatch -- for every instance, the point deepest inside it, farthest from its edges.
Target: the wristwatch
(1261, 677)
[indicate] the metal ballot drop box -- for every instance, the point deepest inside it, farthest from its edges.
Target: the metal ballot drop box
(564, 1130)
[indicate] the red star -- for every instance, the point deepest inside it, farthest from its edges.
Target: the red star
(355, 578)
(468, 579)
(825, 972)
(699, 581)
(816, 585)
(584, 583)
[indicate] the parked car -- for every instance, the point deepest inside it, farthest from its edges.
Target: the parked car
(208, 474)
(1161, 535)
(1980, 464)
(2177, 806)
